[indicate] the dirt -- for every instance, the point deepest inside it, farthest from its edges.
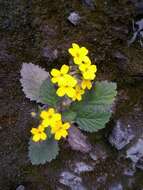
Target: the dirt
(26, 28)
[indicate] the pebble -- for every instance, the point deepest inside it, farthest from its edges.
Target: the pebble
(20, 187)
(49, 53)
(98, 152)
(135, 152)
(81, 167)
(89, 3)
(71, 180)
(140, 164)
(121, 135)
(130, 171)
(78, 141)
(117, 186)
(74, 18)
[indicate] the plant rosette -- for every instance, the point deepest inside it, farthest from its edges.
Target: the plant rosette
(71, 96)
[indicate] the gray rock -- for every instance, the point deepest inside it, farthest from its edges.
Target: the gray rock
(71, 180)
(20, 187)
(78, 141)
(117, 186)
(140, 24)
(102, 179)
(89, 3)
(81, 167)
(135, 153)
(121, 60)
(74, 18)
(140, 164)
(121, 135)
(139, 7)
(49, 53)
(99, 152)
(120, 56)
(130, 171)
(137, 32)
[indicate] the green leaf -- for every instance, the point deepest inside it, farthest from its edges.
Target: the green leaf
(92, 121)
(93, 112)
(40, 152)
(32, 77)
(48, 93)
(103, 93)
(37, 85)
(99, 98)
(68, 115)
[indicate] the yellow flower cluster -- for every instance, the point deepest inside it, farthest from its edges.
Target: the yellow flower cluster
(69, 85)
(83, 61)
(53, 120)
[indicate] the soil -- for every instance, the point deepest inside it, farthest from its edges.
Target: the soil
(32, 31)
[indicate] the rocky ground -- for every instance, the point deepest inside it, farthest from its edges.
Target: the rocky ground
(41, 32)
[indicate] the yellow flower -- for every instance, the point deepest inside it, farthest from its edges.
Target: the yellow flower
(33, 114)
(86, 60)
(68, 87)
(86, 84)
(78, 93)
(38, 133)
(88, 71)
(78, 53)
(59, 75)
(60, 130)
(49, 117)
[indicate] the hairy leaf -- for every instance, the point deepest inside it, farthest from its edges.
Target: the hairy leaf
(92, 121)
(68, 115)
(103, 93)
(48, 94)
(32, 77)
(99, 98)
(44, 151)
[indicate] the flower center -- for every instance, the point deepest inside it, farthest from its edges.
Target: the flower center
(77, 54)
(50, 117)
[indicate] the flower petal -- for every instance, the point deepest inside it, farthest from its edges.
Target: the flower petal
(61, 91)
(64, 133)
(79, 97)
(55, 72)
(89, 85)
(43, 136)
(86, 60)
(58, 135)
(86, 84)
(75, 46)
(64, 69)
(36, 138)
(54, 79)
(89, 75)
(82, 67)
(51, 111)
(70, 92)
(43, 114)
(93, 68)
(77, 60)
(72, 52)
(45, 123)
(66, 125)
(34, 131)
(83, 51)
(41, 127)
(57, 117)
